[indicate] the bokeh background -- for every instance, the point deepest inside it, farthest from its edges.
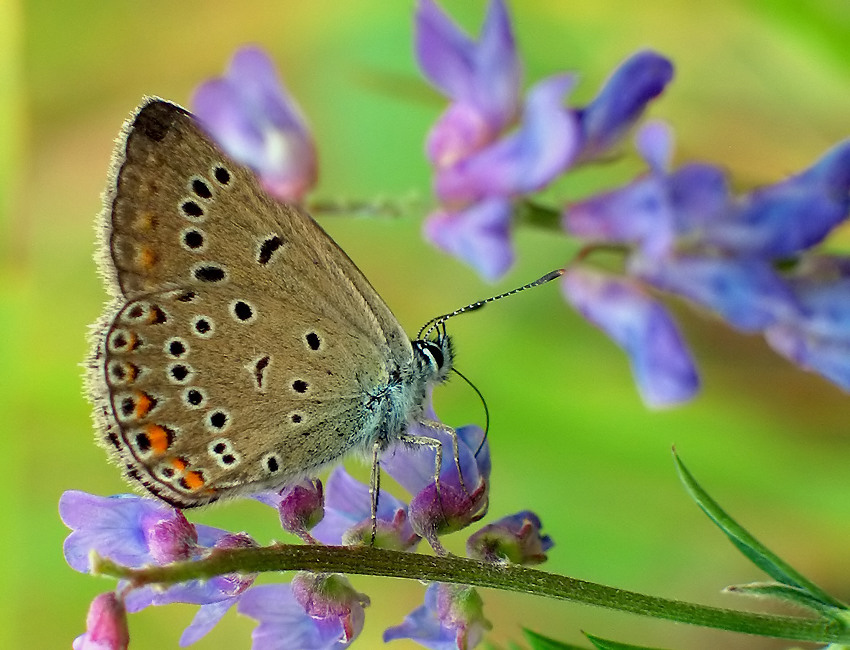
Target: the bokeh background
(761, 87)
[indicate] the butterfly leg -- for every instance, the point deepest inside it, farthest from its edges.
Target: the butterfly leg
(437, 446)
(439, 426)
(375, 490)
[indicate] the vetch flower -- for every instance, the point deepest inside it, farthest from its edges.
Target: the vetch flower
(106, 625)
(818, 336)
(136, 531)
(438, 508)
(482, 79)
(661, 363)
(300, 506)
(524, 160)
(515, 538)
(348, 516)
(622, 100)
(314, 613)
(688, 234)
(251, 116)
(480, 235)
(128, 529)
(452, 618)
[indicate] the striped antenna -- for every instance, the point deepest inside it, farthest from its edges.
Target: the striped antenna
(437, 322)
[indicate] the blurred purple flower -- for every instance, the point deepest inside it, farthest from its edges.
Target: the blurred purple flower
(106, 625)
(690, 236)
(251, 116)
(818, 336)
(452, 618)
(522, 161)
(662, 366)
(307, 621)
(348, 516)
(482, 79)
(622, 100)
(486, 152)
(135, 531)
(515, 538)
(480, 235)
(454, 504)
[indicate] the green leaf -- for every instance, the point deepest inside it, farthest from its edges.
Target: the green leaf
(792, 595)
(757, 552)
(540, 642)
(604, 644)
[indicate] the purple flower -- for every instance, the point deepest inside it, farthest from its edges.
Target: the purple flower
(480, 77)
(348, 516)
(480, 235)
(515, 539)
(661, 363)
(746, 292)
(126, 528)
(622, 100)
(452, 618)
(480, 165)
(314, 613)
(453, 504)
(251, 116)
(817, 337)
(136, 531)
(522, 161)
(300, 506)
(690, 236)
(106, 625)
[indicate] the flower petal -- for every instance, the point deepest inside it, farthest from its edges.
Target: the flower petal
(622, 100)
(790, 216)
(638, 213)
(206, 618)
(654, 141)
(662, 366)
(482, 75)
(523, 161)
(115, 527)
(746, 292)
(284, 625)
(251, 116)
(479, 235)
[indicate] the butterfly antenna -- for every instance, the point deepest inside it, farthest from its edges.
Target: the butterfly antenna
(486, 410)
(439, 321)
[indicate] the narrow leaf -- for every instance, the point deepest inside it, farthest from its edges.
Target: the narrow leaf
(540, 642)
(759, 554)
(789, 594)
(604, 644)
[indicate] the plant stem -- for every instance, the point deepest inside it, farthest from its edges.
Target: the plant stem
(378, 562)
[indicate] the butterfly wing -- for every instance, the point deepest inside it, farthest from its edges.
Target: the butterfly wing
(243, 347)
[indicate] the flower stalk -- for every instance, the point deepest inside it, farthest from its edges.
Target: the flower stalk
(453, 569)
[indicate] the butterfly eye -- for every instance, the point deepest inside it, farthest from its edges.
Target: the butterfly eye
(432, 353)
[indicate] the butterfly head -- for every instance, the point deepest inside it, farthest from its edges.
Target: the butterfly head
(435, 356)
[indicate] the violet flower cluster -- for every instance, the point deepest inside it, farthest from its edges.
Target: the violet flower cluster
(313, 611)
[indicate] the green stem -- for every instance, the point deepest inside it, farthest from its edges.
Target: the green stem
(371, 561)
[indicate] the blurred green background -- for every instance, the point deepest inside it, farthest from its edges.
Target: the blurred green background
(761, 87)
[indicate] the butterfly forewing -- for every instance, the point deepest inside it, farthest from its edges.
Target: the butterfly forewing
(243, 346)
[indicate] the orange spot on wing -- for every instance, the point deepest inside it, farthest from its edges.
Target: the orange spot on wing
(146, 258)
(144, 404)
(193, 480)
(145, 221)
(159, 438)
(179, 464)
